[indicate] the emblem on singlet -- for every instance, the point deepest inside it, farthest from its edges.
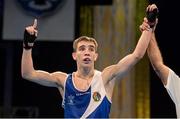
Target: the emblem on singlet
(96, 96)
(70, 100)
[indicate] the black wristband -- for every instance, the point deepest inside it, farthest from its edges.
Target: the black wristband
(28, 39)
(27, 46)
(151, 16)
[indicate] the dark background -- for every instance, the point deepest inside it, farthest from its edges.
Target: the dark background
(53, 56)
(167, 34)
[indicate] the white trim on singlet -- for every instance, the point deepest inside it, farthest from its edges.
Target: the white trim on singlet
(97, 85)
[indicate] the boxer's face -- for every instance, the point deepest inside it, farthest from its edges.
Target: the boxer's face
(85, 53)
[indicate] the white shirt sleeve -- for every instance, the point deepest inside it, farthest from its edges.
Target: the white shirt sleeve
(173, 87)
